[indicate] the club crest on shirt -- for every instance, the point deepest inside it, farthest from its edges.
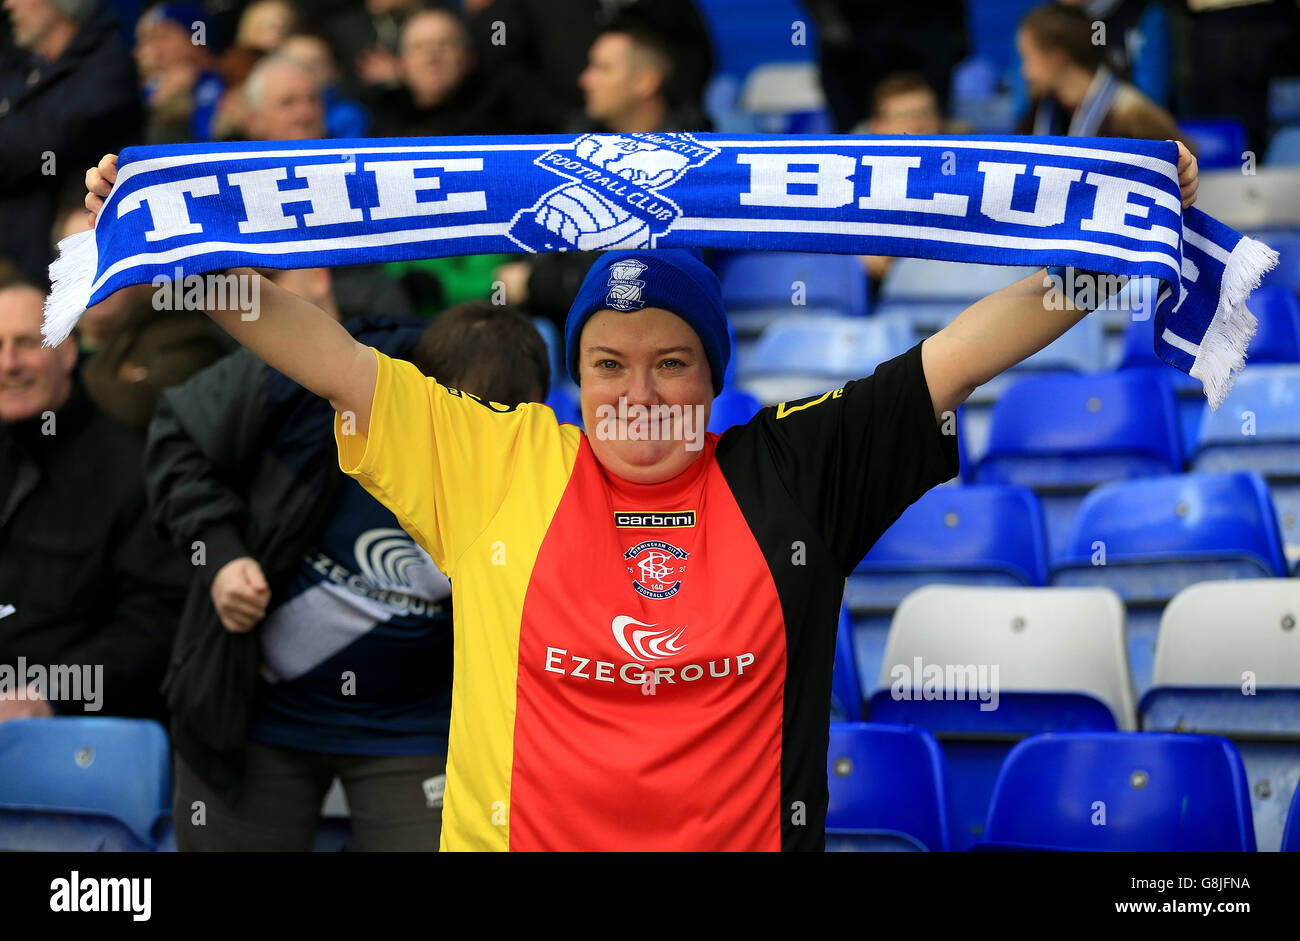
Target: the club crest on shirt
(656, 568)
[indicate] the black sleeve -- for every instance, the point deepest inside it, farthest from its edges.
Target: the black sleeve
(854, 459)
(202, 441)
(149, 583)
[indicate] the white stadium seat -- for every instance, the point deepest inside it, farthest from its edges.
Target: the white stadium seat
(1213, 632)
(1041, 639)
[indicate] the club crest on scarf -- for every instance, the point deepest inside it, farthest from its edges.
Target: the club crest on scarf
(615, 199)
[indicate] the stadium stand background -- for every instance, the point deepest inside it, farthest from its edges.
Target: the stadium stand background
(1129, 569)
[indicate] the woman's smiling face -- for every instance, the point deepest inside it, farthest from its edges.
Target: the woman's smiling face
(653, 359)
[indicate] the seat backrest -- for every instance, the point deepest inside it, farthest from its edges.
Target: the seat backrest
(1219, 141)
(1219, 633)
(1263, 409)
(887, 778)
(795, 280)
(846, 687)
(925, 279)
(1194, 517)
(1128, 413)
(1291, 836)
(839, 348)
(976, 527)
(1287, 272)
(1024, 639)
(1284, 148)
(1252, 203)
(1148, 791)
(732, 407)
(1080, 349)
(114, 767)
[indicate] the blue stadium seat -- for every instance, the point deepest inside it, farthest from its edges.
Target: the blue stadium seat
(1121, 792)
(927, 280)
(1258, 428)
(756, 33)
(1161, 534)
(1215, 637)
(1291, 838)
(1220, 142)
(1276, 339)
(1063, 434)
(554, 348)
(1177, 518)
(808, 355)
(563, 400)
(733, 406)
(888, 789)
(760, 288)
(979, 534)
(1284, 148)
(1053, 658)
(83, 784)
(992, 27)
(846, 690)
(1138, 353)
(1287, 246)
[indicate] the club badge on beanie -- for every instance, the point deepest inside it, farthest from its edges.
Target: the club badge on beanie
(673, 279)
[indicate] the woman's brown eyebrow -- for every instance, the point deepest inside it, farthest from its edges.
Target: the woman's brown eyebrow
(666, 350)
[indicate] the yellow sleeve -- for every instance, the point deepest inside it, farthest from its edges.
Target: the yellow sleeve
(441, 460)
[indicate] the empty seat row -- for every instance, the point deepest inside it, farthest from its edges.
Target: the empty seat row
(1076, 791)
(982, 666)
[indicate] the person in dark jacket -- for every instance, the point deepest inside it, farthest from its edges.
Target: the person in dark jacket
(67, 95)
(442, 92)
(317, 642)
(86, 585)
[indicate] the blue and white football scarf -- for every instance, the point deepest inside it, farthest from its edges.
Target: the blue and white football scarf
(1104, 205)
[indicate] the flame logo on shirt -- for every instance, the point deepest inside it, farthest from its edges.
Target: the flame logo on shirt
(646, 645)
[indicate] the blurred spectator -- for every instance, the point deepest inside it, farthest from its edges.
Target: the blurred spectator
(139, 345)
(179, 73)
(1138, 42)
(631, 83)
(265, 24)
(299, 590)
(862, 41)
(280, 101)
(1235, 48)
(68, 95)
(343, 118)
(903, 103)
(88, 581)
(1073, 90)
(367, 37)
(262, 27)
(536, 56)
(441, 93)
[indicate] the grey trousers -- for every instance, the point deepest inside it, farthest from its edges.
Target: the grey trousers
(389, 798)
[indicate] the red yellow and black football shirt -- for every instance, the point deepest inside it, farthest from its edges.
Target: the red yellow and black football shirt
(644, 667)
